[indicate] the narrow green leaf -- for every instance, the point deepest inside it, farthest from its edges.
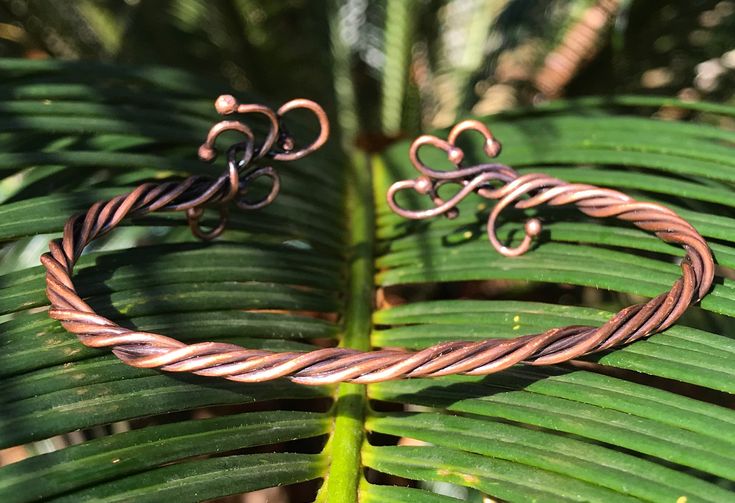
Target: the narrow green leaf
(652, 437)
(207, 479)
(119, 455)
(497, 478)
(596, 465)
(370, 493)
(99, 273)
(146, 394)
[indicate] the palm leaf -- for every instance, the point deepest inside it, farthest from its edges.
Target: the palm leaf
(649, 421)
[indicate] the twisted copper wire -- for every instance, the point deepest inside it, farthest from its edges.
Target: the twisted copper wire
(331, 365)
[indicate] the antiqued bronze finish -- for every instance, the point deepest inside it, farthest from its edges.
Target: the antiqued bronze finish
(331, 365)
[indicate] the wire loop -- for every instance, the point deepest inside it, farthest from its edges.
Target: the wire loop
(286, 142)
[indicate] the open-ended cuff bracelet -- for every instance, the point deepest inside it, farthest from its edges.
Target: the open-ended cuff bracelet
(331, 365)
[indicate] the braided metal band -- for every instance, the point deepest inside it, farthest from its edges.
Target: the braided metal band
(331, 365)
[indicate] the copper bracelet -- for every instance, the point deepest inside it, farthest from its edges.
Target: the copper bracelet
(332, 365)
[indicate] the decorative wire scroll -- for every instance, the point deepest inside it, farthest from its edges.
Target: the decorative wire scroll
(332, 365)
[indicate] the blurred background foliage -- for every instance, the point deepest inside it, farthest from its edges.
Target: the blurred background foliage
(411, 64)
(385, 70)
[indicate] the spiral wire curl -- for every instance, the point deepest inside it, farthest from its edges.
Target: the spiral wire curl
(332, 365)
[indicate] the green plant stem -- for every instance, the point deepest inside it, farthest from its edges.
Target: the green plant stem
(349, 409)
(344, 91)
(397, 42)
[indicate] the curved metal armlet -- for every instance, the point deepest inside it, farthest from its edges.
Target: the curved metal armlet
(331, 365)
